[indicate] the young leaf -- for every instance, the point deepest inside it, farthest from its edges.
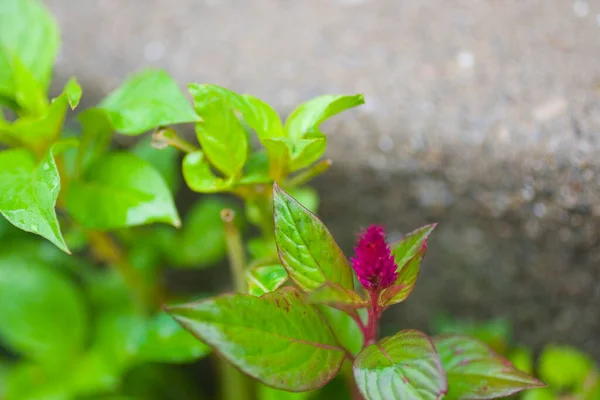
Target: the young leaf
(73, 93)
(29, 192)
(277, 338)
(28, 93)
(308, 116)
(411, 244)
(403, 366)
(474, 371)
(166, 341)
(306, 248)
(222, 136)
(265, 278)
(121, 190)
(199, 177)
(405, 283)
(29, 33)
(42, 312)
(336, 296)
(260, 116)
(307, 151)
(146, 101)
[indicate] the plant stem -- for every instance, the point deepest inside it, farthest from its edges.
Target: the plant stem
(309, 173)
(163, 137)
(234, 384)
(374, 312)
(235, 250)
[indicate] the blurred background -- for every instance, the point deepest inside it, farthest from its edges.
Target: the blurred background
(482, 115)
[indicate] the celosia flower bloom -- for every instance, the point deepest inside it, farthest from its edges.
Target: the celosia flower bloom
(373, 261)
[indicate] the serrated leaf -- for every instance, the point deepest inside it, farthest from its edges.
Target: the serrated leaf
(306, 248)
(29, 33)
(222, 136)
(145, 101)
(29, 192)
(28, 290)
(277, 338)
(121, 190)
(406, 248)
(401, 367)
(166, 341)
(199, 177)
(265, 278)
(308, 116)
(345, 328)
(336, 296)
(474, 371)
(405, 282)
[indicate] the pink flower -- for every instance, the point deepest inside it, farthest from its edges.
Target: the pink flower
(373, 261)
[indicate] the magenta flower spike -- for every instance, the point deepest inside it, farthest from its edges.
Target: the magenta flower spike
(373, 261)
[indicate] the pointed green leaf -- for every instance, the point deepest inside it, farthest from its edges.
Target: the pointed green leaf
(222, 136)
(28, 93)
(277, 338)
(199, 177)
(29, 192)
(345, 328)
(474, 371)
(146, 101)
(410, 244)
(42, 312)
(166, 341)
(121, 190)
(265, 278)
(307, 151)
(400, 367)
(336, 296)
(405, 282)
(308, 116)
(73, 93)
(306, 248)
(29, 33)
(260, 116)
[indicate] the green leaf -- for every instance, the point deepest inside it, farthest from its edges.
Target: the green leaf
(405, 282)
(268, 393)
(28, 93)
(166, 341)
(474, 371)
(522, 359)
(265, 278)
(96, 135)
(121, 190)
(308, 116)
(146, 101)
(540, 394)
(222, 136)
(199, 177)
(256, 169)
(279, 151)
(277, 338)
(306, 248)
(42, 312)
(260, 116)
(307, 151)
(405, 249)
(564, 366)
(166, 161)
(336, 296)
(29, 192)
(307, 196)
(345, 328)
(29, 33)
(201, 240)
(403, 366)
(73, 93)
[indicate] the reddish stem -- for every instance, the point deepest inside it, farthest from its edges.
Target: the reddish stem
(374, 312)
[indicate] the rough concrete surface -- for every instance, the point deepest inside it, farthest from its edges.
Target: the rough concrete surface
(481, 115)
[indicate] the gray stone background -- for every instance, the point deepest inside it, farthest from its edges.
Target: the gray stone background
(481, 115)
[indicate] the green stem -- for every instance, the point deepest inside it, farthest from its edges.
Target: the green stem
(168, 137)
(234, 384)
(309, 173)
